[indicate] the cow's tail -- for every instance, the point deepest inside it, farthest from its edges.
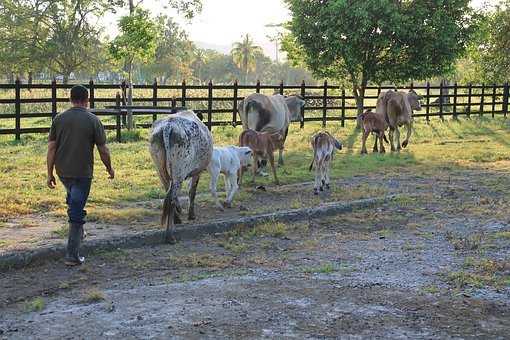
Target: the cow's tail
(253, 105)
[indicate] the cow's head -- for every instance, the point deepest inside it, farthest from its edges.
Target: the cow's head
(295, 104)
(245, 155)
(414, 100)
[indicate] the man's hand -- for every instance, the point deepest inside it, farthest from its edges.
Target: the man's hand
(51, 182)
(105, 158)
(111, 173)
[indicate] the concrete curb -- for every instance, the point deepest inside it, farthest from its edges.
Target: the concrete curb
(188, 232)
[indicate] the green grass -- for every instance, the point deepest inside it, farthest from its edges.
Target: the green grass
(327, 268)
(479, 273)
(93, 296)
(35, 305)
(440, 145)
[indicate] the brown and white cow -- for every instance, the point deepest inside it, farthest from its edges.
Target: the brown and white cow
(397, 108)
(263, 145)
(323, 145)
(271, 114)
(372, 122)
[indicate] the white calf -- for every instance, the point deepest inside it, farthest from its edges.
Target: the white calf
(324, 146)
(228, 161)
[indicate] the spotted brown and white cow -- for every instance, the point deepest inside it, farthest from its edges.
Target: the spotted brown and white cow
(181, 147)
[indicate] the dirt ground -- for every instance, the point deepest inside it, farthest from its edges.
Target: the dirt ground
(426, 266)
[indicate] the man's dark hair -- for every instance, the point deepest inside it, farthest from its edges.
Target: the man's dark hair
(79, 93)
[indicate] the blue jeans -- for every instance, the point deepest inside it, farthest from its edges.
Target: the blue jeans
(77, 194)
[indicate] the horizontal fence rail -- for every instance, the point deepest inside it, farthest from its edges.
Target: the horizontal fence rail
(29, 108)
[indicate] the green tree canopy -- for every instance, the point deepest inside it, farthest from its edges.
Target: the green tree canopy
(58, 35)
(488, 54)
(378, 40)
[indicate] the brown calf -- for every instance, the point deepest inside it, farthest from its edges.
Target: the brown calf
(263, 146)
(323, 145)
(372, 122)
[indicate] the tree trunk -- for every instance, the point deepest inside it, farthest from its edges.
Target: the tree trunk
(65, 78)
(359, 95)
(30, 80)
(11, 77)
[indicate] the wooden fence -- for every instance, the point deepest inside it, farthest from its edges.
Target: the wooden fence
(324, 103)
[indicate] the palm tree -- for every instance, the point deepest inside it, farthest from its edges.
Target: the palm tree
(200, 60)
(244, 55)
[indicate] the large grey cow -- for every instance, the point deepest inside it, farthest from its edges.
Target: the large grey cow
(181, 147)
(271, 114)
(397, 108)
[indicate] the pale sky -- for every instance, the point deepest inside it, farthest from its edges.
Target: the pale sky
(223, 22)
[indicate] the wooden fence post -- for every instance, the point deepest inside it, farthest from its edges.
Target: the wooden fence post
(117, 118)
(470, 99)
(343, 107)
(455, 101)
(441, 101)
(303, 94)
(209, 105)
(92, 94)
(482, 100)
(281, 88)
(325, 104)
(427, 111)
(183, 94)
(257, 89)
(155, 99)
(505, 99)
(173, 103)
(493, 99)
(236, 108)
(53, 98)
(17, 108)
(124, 100)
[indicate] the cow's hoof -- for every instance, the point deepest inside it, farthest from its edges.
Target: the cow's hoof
(221, 207)
(177, 219)
(170, 238)
(383, 151)
(404, 144)
(364, 152)
(191, 217)
(227, 205)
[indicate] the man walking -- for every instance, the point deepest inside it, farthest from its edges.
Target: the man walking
(73, 135)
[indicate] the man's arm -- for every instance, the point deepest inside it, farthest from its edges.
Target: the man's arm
(50, 162)
(104, 153)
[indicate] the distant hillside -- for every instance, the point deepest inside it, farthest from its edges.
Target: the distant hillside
(225, 49)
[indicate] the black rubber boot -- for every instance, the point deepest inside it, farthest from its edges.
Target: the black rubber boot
(73, 257)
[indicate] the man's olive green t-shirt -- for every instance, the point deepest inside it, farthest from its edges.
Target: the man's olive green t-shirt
(76, 131)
